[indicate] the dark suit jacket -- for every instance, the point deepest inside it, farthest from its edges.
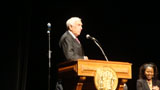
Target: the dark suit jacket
(71, 49)
(143, 85)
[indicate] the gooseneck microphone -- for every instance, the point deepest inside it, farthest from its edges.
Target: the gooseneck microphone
(89, 37)
(96, 42)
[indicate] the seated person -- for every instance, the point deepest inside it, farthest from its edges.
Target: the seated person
(148, 77)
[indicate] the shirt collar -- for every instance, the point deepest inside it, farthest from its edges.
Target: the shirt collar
(72, 34)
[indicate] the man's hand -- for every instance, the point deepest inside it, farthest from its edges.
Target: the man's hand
(85, 58)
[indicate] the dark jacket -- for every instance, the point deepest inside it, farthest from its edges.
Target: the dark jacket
(143, 85)
(71, 49)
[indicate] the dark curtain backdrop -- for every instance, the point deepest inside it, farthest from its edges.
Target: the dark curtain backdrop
(128, 32)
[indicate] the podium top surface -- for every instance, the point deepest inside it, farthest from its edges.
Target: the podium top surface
(89, 67)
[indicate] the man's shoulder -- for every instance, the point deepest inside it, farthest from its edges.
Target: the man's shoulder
(66, 37)
(65, 34)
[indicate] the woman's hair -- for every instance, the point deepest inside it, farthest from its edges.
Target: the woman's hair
(143, 68)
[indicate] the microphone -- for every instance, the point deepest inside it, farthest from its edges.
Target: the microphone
(96, 42)
(89, 37)
(49, 27)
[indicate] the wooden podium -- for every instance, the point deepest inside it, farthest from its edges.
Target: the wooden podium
(84, 69)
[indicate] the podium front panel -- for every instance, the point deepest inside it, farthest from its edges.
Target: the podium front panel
(89, 67)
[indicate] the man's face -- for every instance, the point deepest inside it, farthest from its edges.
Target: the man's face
(76, 28)
(149, 72)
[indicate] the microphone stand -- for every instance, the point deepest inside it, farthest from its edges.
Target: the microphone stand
(49, 57)
(101, 49)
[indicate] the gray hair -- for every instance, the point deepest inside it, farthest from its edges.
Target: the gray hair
(72, 20)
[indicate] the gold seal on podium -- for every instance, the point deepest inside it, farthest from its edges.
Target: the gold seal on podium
(105, 79)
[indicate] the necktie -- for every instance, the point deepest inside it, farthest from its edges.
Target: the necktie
(77, 40)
